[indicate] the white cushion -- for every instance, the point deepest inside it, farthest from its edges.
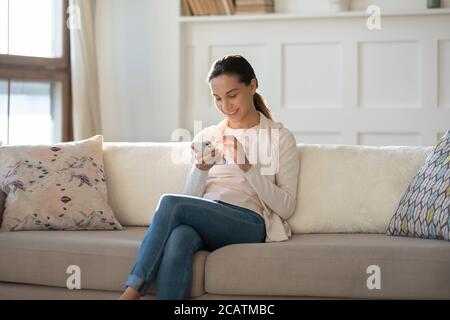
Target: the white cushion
(341, 188)
(137, 174)
(352, 188)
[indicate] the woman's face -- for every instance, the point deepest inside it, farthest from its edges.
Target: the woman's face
(233, 98)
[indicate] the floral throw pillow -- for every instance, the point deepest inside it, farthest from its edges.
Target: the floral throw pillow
(55, 187)
(2, 205)
(424, 209)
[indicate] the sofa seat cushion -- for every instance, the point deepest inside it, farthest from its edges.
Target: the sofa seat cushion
(333, 265)
(105, 258)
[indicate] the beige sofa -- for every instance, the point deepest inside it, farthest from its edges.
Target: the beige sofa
(346, 197)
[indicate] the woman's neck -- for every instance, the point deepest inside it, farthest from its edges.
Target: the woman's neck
(248, 122)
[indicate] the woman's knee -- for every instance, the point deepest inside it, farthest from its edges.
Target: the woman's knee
(168, 199)
(182, 240)
(168, 203)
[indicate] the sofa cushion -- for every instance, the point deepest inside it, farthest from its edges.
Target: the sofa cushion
(424, 209)
(60, 186)
(105, 258)
(352, 189)
(139, 173)
(333, 265)
(362, 185)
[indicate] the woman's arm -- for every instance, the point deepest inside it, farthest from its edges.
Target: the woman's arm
(280, 197)
(195, 182)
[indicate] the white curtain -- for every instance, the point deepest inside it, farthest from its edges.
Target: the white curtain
(83, 58)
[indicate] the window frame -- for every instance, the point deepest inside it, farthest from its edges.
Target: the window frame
(25, 68)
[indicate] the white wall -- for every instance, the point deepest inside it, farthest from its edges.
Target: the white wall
(141, 94)
(329, 78)
(137, 45)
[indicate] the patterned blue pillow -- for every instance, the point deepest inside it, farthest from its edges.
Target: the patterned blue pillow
(424, 209)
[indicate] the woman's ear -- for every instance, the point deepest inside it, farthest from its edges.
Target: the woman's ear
(253, 86)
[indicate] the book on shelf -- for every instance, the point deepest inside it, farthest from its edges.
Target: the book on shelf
(254, 2)
(207, 7)
(185, 10)
(254, 6)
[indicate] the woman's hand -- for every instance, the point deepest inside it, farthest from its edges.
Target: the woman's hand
(232, 146)
(204, 160)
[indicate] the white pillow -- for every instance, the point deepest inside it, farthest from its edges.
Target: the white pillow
(139, 173)
(352, 188)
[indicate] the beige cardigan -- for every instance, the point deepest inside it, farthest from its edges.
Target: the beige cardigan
(275, 182)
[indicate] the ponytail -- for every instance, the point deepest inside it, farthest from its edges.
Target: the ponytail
(261, 105)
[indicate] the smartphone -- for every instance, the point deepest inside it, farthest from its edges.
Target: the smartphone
(203, 145)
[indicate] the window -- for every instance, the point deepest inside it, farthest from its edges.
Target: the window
(34, 72)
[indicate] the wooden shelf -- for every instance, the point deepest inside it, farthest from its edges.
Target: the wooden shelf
(294, 16)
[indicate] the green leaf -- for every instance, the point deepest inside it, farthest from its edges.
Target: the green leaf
(83, 214)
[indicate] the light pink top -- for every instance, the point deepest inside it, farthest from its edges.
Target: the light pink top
(275, 186)
(227, 183)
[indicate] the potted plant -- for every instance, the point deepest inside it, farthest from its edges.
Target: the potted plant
(433, 4)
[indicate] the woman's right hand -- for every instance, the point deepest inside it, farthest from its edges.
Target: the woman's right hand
(205, 159)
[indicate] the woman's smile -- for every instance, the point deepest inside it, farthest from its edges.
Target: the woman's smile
(233, 113)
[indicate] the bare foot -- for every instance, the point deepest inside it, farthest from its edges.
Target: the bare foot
(130, 294)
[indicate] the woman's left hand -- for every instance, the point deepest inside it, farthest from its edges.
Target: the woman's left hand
(232, 146)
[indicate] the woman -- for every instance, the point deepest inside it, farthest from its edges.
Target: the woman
(241, 201)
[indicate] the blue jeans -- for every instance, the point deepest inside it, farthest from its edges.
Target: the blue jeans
(181, 226)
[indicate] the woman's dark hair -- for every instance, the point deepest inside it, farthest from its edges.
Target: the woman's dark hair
(240, 67)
